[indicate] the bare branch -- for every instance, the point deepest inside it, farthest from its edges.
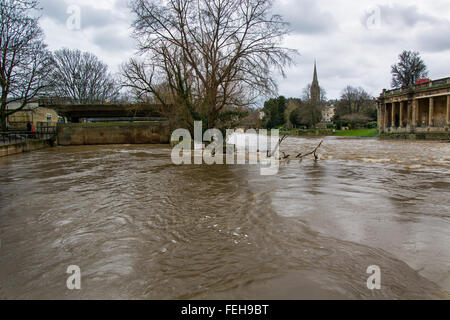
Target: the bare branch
(82, 77)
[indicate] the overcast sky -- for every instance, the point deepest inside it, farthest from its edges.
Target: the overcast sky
(354, 42)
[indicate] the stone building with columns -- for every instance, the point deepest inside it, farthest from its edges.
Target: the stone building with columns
(424, 108)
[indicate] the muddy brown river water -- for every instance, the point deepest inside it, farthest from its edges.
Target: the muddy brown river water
(140, 227)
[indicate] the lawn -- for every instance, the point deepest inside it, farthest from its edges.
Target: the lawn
(365, 133)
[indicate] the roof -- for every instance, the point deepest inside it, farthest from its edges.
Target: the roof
(17, 104)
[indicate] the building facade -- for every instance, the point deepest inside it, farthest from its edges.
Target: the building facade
(422, 108)
(33, 113)
(328, 113)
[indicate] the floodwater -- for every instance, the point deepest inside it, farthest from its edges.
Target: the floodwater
(140, 227)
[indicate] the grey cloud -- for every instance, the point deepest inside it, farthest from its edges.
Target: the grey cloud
(435, 39)
(408, 15)
(345, 54)
(122, 4)
(305, 17)
(90, 17)
(397, 15)
(112, 41)
(55, 9)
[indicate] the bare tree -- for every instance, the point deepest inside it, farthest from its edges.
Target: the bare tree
(24, 60)
(211, 54)
(82, 77)
(355, 100)
(409, 68)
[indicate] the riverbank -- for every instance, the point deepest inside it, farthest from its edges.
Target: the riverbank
(357, 133)
(445, 136)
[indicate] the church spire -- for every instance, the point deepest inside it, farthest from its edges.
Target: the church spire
(315, 88)
(315, 80)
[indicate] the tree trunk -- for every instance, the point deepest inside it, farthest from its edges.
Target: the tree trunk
(3, 120)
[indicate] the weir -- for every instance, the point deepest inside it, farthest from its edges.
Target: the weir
(145, 132)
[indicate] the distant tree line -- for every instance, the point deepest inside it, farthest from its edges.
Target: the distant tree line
(355, 108)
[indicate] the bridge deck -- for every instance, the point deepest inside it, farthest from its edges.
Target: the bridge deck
(77, 111)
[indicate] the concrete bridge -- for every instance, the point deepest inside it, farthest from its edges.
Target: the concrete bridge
(116, 123)
(423, 108)
(75, 112)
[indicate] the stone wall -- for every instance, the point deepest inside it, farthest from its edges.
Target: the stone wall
(417, 136)
(29, 145)
(151, 132)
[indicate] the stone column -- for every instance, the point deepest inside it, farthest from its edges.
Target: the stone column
(430, 112)
(393, 115)
(400, 119)
(385, 117)
(409, 114)
(415, 110)
(448, 110)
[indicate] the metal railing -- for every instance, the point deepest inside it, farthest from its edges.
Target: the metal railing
(429, 84)
(43, 131)
(11, 137)
(46, 130)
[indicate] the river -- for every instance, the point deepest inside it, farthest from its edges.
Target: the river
(140, 227)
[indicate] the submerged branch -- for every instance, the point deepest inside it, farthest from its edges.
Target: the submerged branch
(269, 154)
(298, 156)
(301, 156)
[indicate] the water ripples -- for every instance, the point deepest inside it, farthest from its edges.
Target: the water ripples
(141, 227)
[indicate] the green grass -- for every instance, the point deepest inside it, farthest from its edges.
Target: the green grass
(365, 133)
(307, 132)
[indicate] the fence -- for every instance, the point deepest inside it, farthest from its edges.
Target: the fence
(46, 130)
(14, 137)
(43, 131)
